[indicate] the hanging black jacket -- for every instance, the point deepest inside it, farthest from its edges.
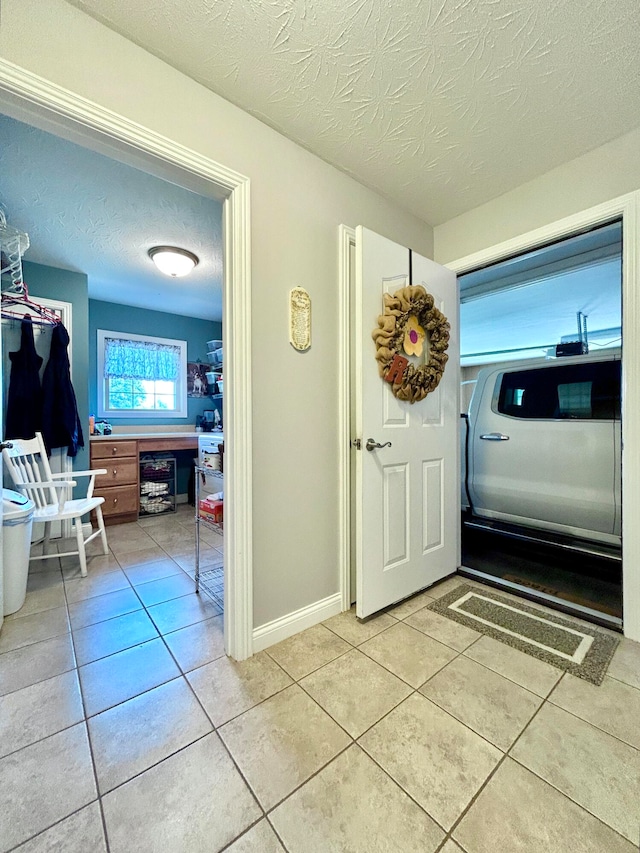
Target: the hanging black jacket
(60, 422)
(24, 400)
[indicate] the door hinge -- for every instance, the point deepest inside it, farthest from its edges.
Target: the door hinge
(357, 443)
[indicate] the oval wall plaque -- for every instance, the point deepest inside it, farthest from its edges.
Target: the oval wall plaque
(300, 319)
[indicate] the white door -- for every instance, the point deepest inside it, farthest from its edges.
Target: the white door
(407, 507)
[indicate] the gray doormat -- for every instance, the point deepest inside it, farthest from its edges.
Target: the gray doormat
(581, 650)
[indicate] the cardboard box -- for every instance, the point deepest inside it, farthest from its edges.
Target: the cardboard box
(211, 510)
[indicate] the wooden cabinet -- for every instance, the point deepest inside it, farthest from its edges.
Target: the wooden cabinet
(119, 471)
(119, 486)
(116, 448)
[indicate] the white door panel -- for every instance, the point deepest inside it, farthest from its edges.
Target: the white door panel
(407, 507)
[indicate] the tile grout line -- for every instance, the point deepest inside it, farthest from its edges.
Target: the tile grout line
(399, 786)
(571, 800)
(500, 762)
(588, 722)
(505, 755)
(297, 682)
(88, 733)
(277, 834)
(433, 674)
(354, 742)
(51, 826)
(549, 701)
(86, 718)
(181, 675)
(335, 721)
(214, 729)
(243, 834)
(550, 784)
(317, 772)
(292, 677)
(257, 704)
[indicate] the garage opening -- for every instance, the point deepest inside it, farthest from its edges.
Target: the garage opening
(541, 347)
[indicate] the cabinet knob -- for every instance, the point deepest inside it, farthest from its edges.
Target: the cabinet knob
(114, 450)
(115, 472)
(115, 501)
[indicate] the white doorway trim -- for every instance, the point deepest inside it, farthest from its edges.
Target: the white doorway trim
(626, 207)
(346, 245)
(28, 97)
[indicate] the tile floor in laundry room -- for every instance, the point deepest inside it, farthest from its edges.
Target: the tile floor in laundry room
(123, 726)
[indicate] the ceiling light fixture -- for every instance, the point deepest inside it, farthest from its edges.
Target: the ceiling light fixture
(173, 261)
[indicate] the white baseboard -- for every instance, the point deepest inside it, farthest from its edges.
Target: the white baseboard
(286, 626)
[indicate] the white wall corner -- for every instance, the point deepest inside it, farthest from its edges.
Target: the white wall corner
(299, 620)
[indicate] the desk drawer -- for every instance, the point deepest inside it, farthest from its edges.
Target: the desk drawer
(119, 472)
(113, 449)
(119, 500)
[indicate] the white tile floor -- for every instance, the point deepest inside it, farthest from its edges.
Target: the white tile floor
(123, 727)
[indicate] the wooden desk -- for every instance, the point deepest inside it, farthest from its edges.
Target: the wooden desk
(120, 455)
(162, 443)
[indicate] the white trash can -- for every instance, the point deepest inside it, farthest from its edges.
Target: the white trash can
(17, 522)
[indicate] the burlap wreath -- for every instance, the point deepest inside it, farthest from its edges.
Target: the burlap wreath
(413, 301)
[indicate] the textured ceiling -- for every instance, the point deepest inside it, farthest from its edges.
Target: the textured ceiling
(440, 105)
(88, 213)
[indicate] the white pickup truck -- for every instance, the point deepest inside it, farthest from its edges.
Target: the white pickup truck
(542, 447)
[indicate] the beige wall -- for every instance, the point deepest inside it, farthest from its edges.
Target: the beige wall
(298, 201)
(603, 174)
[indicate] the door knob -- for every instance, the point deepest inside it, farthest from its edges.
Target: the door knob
(373, 445)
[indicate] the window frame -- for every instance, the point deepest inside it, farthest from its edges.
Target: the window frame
(136, 414)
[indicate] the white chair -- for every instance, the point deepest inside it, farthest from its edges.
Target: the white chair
(28, 465)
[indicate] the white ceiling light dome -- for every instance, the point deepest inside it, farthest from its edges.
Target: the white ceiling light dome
(173, 261)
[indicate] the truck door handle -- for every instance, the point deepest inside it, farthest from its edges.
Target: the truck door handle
(494, 436)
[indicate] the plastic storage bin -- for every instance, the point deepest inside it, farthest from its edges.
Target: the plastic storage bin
(16, 543)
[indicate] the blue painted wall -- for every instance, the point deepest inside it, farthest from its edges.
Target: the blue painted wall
(89, 315)
(139, 321)
(123, 318)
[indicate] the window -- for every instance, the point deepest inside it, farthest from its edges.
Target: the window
(141, 375)
(588, 391)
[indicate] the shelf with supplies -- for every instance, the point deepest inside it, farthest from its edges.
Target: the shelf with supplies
(209, 514)
(157, 484)
(215, 357)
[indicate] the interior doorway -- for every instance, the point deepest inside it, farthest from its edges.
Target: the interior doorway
(541, 462)
(399, 499)
(48, 107)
